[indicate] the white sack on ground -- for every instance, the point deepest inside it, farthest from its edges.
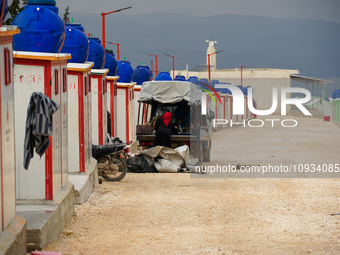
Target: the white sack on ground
(165, 166)
(174, 158)
(184, 152)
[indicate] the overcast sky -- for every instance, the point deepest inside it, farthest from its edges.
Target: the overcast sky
(327, 10)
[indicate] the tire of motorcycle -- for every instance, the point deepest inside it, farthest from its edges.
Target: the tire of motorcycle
(122, 171)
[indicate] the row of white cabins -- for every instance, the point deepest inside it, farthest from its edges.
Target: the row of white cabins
(84, 95)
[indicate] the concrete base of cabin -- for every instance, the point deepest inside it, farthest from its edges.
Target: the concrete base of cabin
(47, 219)
(13, 238)
(84, 183)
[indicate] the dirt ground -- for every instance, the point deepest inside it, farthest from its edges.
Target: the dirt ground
(178, 214)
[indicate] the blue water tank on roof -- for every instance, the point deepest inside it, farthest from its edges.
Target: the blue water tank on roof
(77, 44)
(50, 7)
(142, 74)
(243, 89)
(180, 78)
(3, 10)
(96, 53)
(125, 71)
(41, 2)
(246, 90)
(204, 81)
(213, 82)
(194, 80)
(163, 76)
(224, 90)
(96, 40)
(151, 74)
(77, 26)
(111, 63)
(42, 30)
(336, 94)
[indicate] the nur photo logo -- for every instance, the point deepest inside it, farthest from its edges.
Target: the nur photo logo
(238, 106)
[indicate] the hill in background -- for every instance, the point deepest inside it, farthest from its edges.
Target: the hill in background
(312, 46)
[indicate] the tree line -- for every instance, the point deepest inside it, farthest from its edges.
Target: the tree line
(17, 6)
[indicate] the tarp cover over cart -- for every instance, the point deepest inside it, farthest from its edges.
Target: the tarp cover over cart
(183, 100)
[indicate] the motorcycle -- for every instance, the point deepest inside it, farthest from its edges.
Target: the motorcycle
(111, 160)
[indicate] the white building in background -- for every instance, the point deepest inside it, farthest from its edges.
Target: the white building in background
(211, 50)
(262, 80)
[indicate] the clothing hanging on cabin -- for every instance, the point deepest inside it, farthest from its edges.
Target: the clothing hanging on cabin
(38, 125)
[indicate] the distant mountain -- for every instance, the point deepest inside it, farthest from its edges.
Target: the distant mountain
(312, 46)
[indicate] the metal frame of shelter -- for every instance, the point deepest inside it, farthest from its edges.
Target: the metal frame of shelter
(313, 81)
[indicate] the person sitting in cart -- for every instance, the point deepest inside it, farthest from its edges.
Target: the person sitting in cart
(163, 128)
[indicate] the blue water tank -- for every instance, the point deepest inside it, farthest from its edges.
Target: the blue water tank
(77, 44)
(194, 80)
(163, 76)
(213, 82)
(41, 2)
(51, 7)
(225, 90)
(96, 53)
(111, 63)
(336, 94)
(142, 74)
(150, 72)
(243, 89)
(77, 26)
(180, 78)
(42, 30)
(204, 81)
(4, 10)
(246, 90)
(96, 40)
(125, 71)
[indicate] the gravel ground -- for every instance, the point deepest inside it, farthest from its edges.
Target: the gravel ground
(176, 214)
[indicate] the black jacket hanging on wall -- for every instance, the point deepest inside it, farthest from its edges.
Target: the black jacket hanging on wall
(38, 125)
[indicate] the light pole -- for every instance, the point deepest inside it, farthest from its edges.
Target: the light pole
(173, 65)
(103, 22)
(241, 73)
(209, 62)
(156, 62)
(117, 44)
(152, 67)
